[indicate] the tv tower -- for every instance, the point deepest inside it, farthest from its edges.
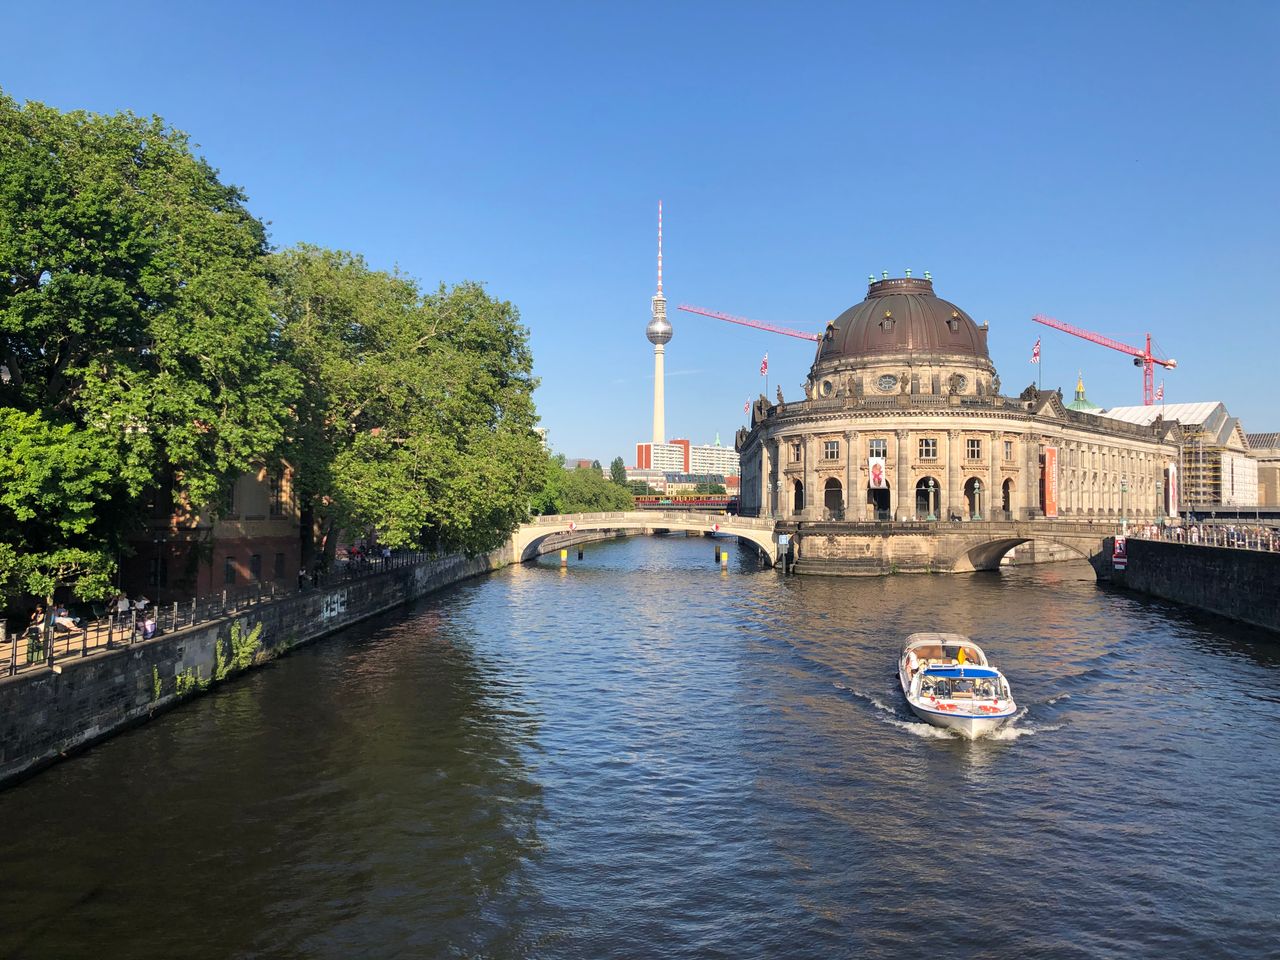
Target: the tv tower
(659, 333)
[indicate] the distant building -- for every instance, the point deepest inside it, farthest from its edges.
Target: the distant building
(713, 458)
(1265, 448)
(680, 456)
(542, 435)
(673, 456)
(1216, 465)
(579, 464)
(256, 539)
(1081, 402)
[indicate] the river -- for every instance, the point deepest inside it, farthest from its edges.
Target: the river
(644, 756)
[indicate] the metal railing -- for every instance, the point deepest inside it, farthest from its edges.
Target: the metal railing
(1265, 539)
(40, 649)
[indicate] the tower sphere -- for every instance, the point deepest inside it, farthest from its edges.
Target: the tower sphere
(658, 330)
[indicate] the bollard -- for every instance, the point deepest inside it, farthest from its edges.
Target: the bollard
(564, 558)
(717, 553)
(724, 559)
(579, 553)
(110, 631)
(193, 611)
(13, 655)
(84, 641)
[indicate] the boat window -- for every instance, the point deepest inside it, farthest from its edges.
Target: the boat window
(984, 689)
(940, 688)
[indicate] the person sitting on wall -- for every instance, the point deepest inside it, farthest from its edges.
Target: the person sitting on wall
(62, 620)
(149, 627)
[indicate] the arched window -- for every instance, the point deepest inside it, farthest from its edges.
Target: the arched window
(798, 498)
(833, 500)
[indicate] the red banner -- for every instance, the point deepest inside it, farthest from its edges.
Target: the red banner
(1050, 481)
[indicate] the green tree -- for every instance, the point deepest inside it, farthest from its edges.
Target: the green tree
(417, 415)
(709, 488)
(577, 491)
(618, 471)
(639, 488)
(135, 335)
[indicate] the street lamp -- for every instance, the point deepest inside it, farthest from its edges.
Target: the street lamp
(977, 500)
(1160, 507)
(932, 509)
(1124, 514)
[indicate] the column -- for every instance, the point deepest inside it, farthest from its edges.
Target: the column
(1029, 499)
(995, 503)
(766, 509)
(905, 498)
(855, 498)
(812, 498)
(954, 494)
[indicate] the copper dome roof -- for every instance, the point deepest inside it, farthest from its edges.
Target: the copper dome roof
(902, 316)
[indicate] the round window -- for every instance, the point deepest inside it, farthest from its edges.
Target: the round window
(887, 382)
(825, 389)
(961, 382)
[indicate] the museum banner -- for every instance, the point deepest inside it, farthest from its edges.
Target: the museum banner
(878, 480)
(1051, 482)
(1171, 491)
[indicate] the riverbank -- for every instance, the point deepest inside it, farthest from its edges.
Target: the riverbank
(1240, 584)
(47, 715)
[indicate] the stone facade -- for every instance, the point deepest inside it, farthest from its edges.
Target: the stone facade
(926, 404)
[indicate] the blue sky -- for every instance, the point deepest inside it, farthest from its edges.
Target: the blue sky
(1112, 165)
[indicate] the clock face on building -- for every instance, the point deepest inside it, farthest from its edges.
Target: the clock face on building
(887, 382)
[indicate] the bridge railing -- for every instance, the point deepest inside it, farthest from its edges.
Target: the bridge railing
(1253, 537)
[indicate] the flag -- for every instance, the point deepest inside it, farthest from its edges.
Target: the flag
(764, 366)
(1035, 352)
(1160, 391)
(746, 406)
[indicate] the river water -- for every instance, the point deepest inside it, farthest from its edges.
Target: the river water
(647, 757)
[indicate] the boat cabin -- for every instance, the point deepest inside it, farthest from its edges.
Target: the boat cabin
(963, 683)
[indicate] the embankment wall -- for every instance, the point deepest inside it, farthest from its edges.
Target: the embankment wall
(1243, 585)
(46, 715)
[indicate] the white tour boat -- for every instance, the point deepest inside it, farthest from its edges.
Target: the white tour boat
(948, 683)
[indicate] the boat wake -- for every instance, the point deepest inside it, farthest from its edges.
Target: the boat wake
(1020, 724)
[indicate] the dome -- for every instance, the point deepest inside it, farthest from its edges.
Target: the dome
(903, 317)
(659, 330)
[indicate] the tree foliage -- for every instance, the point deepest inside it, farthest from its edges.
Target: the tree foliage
(417, 414)
(578, 491)
(134, 334)
(618, 471)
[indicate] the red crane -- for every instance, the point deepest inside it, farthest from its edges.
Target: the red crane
(1141, 358)
(758, 324)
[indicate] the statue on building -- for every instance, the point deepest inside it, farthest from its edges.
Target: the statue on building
(904, 381)
(995, 385)
(955, 383)
(780, 400)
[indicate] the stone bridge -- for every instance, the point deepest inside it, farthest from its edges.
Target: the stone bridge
(853, 549)
(525, 540)
(841, 548)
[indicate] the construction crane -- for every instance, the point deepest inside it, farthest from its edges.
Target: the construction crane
(1141, 358)
(758, 324)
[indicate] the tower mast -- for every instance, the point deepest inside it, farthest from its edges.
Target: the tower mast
(659, 334)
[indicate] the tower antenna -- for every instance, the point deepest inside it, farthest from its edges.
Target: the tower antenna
(659, 248)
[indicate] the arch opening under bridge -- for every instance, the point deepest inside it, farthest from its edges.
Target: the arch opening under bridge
(525, 541)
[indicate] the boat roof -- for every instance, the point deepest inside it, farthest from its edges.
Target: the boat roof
(938, 639)
(967, 673)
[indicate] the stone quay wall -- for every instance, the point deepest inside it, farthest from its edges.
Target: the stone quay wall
(46, 715)
(1239, 584)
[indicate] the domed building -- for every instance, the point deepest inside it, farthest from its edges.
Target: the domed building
(904, 419)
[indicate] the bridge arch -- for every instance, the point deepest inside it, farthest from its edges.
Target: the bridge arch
(986, 554)
(526, 539)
